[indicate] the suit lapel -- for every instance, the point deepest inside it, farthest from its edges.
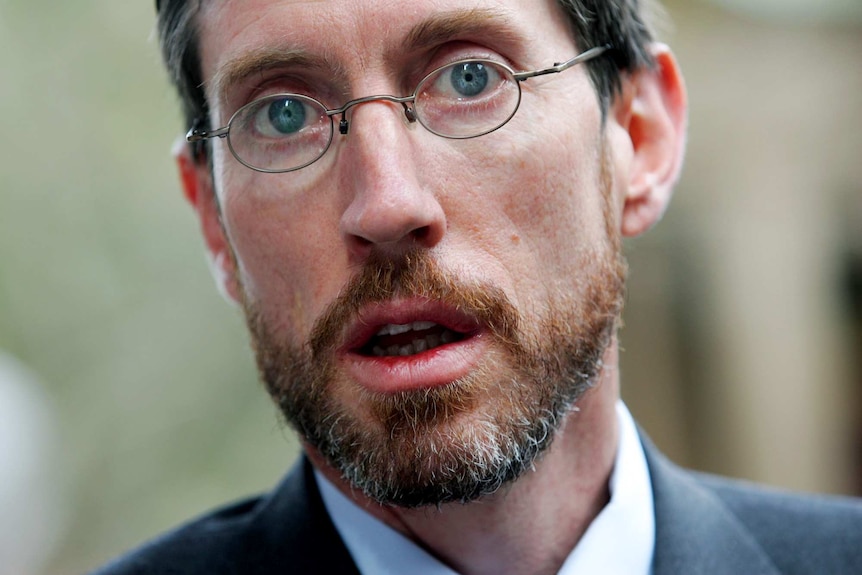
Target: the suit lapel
(695, 532)
(295, 531)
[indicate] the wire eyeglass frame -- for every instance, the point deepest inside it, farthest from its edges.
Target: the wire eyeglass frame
(196, 134)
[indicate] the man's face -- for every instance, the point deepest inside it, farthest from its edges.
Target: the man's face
(425, 311)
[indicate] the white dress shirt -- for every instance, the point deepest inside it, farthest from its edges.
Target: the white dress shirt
(619, 541)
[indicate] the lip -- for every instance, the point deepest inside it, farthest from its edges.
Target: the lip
(430, 368)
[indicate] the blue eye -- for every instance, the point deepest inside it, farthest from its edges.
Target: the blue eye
(280, 132)
(286, 116)
(277, 116)
(469, 78)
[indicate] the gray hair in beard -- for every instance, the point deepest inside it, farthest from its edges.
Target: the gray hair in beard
(457, 442)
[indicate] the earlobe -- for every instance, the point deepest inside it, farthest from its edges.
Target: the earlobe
(196, 181)
(654, 113)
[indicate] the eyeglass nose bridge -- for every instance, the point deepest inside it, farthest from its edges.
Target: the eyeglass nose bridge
(344, 123)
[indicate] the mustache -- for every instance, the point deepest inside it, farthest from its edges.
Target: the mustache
(413, 274)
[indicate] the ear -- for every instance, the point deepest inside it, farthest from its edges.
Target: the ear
(196, 180)
(654, 112)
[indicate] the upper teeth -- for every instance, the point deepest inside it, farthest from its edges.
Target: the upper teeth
(395, 329)
(416, 346)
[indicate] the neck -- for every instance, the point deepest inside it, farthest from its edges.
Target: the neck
(532, 525)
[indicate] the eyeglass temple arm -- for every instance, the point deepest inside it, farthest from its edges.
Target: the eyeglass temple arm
(197, 135)
(560, 67)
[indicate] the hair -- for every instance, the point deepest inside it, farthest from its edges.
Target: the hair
(622, 24)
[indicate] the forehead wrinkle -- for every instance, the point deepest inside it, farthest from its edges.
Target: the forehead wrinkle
(482, 23)
(259, 60)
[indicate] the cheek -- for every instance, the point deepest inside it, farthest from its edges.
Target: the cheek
(565, 209)
(536, 205)
(287, 263)
(563, 232)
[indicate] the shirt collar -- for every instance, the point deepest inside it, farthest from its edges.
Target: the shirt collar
(620, 540)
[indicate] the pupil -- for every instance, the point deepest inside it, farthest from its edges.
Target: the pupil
(287, 116)
(470, 78)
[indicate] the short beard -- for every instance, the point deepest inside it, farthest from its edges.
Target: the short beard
(463, 440)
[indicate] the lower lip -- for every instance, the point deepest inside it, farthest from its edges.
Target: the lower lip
(433, 368)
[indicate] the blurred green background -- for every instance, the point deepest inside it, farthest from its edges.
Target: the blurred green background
(104, 291)
(742, 339)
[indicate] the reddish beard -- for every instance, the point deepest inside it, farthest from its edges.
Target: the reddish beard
(459, 441)
(464, 440)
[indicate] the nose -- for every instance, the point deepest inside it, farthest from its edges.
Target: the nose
(389, 209)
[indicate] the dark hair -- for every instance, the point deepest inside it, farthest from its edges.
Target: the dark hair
(621, 24)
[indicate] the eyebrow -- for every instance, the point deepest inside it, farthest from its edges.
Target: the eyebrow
(484, 23)
(262, 60)
(474, 23)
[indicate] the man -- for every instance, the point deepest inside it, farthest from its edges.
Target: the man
(419, 205)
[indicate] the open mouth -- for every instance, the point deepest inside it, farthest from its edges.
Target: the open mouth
(411, 344)
(403, 340)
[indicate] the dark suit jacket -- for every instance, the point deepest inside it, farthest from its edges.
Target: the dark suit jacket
(704, 525)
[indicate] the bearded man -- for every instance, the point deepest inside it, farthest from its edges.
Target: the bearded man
(419, 205)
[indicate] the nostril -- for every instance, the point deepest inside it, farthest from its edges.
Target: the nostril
(421, 234)
(430, 235)
(362, 242)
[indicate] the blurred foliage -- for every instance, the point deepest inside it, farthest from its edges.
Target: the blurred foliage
(104, 291)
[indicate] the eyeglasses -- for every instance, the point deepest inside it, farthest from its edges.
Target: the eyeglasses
(465, 99)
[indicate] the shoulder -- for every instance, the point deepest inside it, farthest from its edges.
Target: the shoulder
(801, 532)
(210, 544)
(709, 524)
(288, 526)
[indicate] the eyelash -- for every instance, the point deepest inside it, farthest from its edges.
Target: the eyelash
(462, 51)
(280, 83)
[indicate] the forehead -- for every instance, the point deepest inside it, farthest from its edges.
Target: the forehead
(368, 33)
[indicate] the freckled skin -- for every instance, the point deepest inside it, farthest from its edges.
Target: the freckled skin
(518, 181)
(520, 209)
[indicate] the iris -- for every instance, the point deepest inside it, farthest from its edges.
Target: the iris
(287, 115)
(469, 78)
